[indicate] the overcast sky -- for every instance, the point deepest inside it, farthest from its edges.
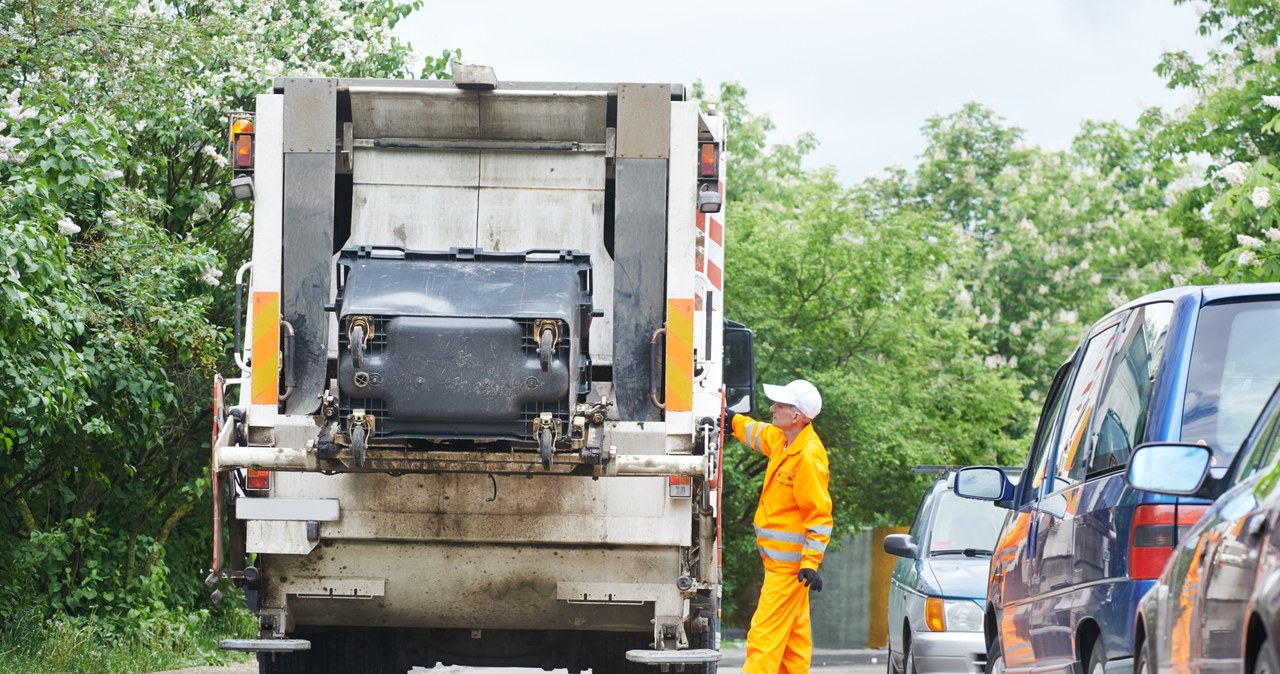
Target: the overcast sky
(863, 75)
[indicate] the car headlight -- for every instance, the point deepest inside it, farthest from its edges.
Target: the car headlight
(952, 615)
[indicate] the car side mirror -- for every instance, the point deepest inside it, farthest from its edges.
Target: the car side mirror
(901, 545)
(1173, 468)
(984, 483)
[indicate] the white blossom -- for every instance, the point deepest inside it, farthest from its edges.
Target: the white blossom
(1247, 258)
(1265, 54)
(1261, 197)
(1273, 101)
(963, 298)
(1273, 234)
(1015, 329)
(1068, 317)
(211, 276)
(1233, 173)
(112, 174)
(1043, 289)
(67, 226)
(1249, 242)
(1095, 279)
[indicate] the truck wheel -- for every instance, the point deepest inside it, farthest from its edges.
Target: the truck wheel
(284, 663)
(609, 656)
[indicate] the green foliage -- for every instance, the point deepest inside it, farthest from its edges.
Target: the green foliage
(115, 228)
(855, 292)
(1230, 212)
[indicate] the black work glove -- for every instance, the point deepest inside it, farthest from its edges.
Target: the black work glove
(729, 419)
(810, 579)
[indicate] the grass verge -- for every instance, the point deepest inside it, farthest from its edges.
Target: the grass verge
(99, 644)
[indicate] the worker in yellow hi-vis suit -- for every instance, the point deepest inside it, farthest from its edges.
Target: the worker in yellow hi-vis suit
(793, 527)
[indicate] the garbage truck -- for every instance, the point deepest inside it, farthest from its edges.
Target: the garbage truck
(482, 366)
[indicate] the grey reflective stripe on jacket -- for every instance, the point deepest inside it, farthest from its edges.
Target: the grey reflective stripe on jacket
(779, 556)
(754, 431)
(781, 536)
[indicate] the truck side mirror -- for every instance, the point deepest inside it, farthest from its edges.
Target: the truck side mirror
(739, 368)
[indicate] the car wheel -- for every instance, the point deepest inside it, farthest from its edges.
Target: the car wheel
(1266, 662)
(995, 658)
(1143, 665)
(1098, 659)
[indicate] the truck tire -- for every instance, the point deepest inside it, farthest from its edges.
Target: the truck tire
(609, 654)
(284, 663)
(332, 652)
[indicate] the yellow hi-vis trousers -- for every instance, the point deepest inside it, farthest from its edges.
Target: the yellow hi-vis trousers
(779, 641)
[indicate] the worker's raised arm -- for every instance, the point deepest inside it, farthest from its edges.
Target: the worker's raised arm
(762, 437)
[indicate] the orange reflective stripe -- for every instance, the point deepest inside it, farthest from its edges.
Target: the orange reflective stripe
(265, 368)
(679, 355)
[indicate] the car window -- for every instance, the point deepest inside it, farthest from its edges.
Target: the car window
(1039, 461)
(1264, 449)
(1234, 367)
(1122, 414)
(1073, 438)
(961, 523)
(922, 512)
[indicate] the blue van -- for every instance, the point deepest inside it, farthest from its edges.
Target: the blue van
(1080, 547)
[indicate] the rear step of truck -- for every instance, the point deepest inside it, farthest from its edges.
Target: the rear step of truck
(265, 645)
(691, 656)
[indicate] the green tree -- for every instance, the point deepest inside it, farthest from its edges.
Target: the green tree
(1059, 237)
(1230, 212)
(855, 296)
(116, 231)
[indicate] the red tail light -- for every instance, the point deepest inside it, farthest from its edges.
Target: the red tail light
(708, 161)
(257, 479)
(1156, 530)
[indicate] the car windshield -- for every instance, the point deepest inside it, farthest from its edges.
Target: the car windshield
(961, 524)
(1234, 367)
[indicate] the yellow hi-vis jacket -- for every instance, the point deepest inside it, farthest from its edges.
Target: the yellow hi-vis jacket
(793, 520)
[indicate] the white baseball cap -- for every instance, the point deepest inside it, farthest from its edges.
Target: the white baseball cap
(800, 393)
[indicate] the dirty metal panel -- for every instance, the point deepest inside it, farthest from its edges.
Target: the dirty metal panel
(644, 121)
(543, 170)
(639, 282)
(427, 168)
(277, 537)
(466, 507)
(454, 586)
(310, 115)
(308, 245)
(427, 113)
(580, 117)
(419, 218)
(340, 588)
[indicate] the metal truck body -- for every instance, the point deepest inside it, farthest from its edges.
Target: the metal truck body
(478, 417)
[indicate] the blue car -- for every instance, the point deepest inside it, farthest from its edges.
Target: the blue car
(1081, 547)
(939, 585)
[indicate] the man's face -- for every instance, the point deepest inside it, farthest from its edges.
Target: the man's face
(786, 416)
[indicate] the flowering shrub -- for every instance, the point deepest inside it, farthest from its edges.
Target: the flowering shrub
(116, 227)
